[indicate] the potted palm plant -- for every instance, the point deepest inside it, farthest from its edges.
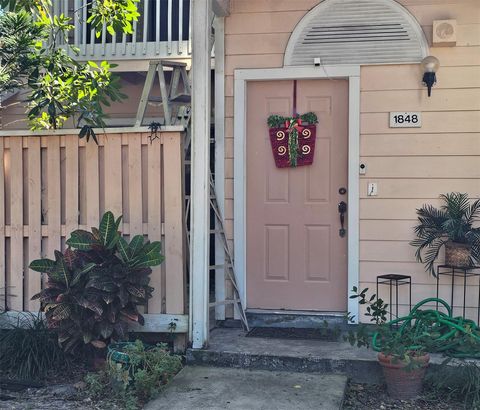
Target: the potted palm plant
(450, 226)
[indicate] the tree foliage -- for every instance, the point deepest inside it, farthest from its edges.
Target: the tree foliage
(35, 55)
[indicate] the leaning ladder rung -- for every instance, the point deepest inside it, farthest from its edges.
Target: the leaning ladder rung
(169, 63)
(224, 302)
(220, 266)
(215, 231)
(189, 197)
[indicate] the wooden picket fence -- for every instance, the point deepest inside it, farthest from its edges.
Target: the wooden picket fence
(53, 184)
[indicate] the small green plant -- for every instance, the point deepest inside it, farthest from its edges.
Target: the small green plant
(94, 288)
(96, 383)
(137, 377)
(99, 385)
(403, 346)
(452, 222)
(460, 382)
(148, 368)
(29, 349)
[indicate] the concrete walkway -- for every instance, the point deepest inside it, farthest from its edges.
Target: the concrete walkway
(213, 388)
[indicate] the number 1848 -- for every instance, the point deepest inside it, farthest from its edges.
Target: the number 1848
(405, 119)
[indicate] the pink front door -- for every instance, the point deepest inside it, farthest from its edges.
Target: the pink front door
(296, 258)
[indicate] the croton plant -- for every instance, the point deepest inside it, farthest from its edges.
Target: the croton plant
(95, 286)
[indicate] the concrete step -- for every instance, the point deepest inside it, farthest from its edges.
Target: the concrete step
(271, 318)
(231, 348)
(215, 388)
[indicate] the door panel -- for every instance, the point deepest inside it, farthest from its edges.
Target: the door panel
(295, 257)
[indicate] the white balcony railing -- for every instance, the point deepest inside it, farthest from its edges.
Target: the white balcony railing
(162, 31)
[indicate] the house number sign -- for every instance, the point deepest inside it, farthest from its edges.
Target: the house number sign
(405, 119)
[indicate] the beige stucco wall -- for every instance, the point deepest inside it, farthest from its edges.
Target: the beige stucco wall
(411, 166)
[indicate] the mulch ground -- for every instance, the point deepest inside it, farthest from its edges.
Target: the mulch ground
(373, 397)
(65, 397)
(63, 390)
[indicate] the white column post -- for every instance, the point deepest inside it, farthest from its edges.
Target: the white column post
(200, 191)
(353, 227)
(219, 25)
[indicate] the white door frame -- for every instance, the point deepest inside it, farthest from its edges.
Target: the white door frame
(241, 76)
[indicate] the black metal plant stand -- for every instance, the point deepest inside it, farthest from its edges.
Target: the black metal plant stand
(399, 280)
(465, 273)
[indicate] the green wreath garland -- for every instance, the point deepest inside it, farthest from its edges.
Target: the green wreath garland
(292, 124)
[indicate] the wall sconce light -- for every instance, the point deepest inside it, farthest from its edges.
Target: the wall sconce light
(430, 66)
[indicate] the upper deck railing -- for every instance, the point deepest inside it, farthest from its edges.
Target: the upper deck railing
(162, 31)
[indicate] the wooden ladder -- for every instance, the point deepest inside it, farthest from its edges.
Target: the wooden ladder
(228, 265)
(175, 101)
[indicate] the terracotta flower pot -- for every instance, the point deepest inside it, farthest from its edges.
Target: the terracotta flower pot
(457, 254)
(402, 383)
(306, 145)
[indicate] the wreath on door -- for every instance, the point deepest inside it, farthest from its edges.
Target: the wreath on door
(293, 139)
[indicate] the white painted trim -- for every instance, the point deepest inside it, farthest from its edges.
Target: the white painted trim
(162, 323)
(98, 131)
(353, 214)
(239, 185)
(219, 25)
(200, 146)
(289, 73)
(241, 76)
(154, 323)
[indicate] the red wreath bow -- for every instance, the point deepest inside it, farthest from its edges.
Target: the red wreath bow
(294, 123)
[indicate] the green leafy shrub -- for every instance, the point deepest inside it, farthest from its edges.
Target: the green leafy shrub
(95, 286)
(135, 382)
(29, 349)
(148, 368)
